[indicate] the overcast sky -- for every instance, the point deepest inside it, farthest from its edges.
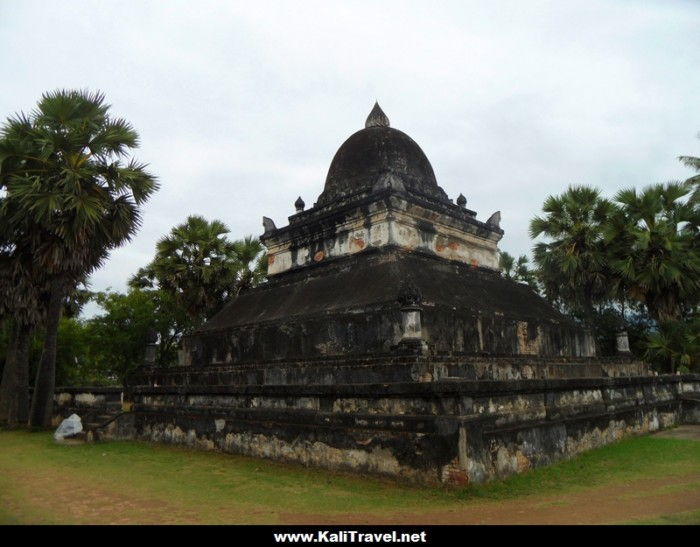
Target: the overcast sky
(241, 105)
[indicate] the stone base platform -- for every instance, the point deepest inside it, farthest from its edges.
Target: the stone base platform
(391, 369)
(422, 423)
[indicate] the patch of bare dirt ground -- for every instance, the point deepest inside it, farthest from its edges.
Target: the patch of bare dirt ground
(691, 432)
(56, 501)
(611, 504)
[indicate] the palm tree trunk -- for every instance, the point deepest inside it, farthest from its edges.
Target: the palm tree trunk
(14, 392)
(8, 388)
(45, 385)
(668, 311)
(622, 313)
(589, 317)
(25, 338)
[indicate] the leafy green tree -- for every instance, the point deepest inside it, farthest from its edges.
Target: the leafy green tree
(654, 252)
(75, 364)
(525, 274)
(517, 271)
(506, 262)
(201, 268)
(71, 195)
(252, 261)
(694, 163)
(118, 336)
(572, 266)
(676, 345)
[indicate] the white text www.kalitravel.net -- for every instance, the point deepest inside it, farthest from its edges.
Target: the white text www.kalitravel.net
(351, 536)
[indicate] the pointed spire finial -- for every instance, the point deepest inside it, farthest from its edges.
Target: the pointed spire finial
(299, 205)
(495, 219)
(462, 201)
(377, 118)
(269, 225)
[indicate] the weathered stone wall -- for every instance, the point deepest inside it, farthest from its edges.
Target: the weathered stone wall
(453, 431)
(390, 218)
(391, 369)
(86, 401)
(350, 308)
(94, 404)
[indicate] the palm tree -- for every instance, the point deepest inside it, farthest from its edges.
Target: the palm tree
(20, 308)
(694, 163)
(22, 285)
(506, 261)
(572, 266)
(71, 196)
(676, 344)
(517, 271)
(694, 199)
(252, 262)
(195, 263)
(654, 248)
(201, 269)
(524, 274)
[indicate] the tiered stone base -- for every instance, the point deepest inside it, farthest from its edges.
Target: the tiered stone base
(433, 421)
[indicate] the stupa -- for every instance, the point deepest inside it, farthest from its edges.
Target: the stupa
(384, 263)
(386, 341)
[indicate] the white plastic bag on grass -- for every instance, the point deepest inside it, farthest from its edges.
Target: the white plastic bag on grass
(70, 426)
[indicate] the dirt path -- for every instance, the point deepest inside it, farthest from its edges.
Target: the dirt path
(59, 500)
(63, 501)
(690, 432)
(610, 504)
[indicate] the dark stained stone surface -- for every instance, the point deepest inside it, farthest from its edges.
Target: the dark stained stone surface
(374, 280)
(456, 432)
(377, 118)
(350, 307)
(373, 153)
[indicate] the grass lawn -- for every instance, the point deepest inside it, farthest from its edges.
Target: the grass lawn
(133, 482)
